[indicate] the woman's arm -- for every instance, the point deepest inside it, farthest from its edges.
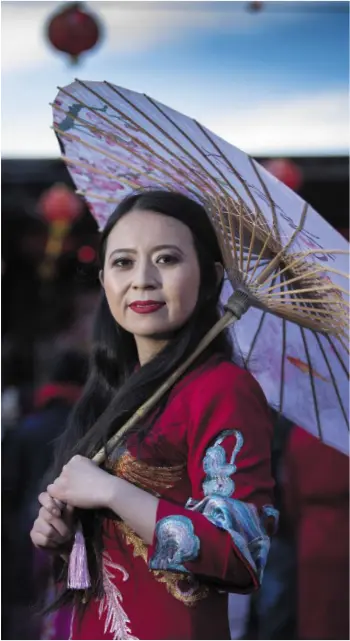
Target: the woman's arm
(222, 533)
(134, 506)
(84, 485)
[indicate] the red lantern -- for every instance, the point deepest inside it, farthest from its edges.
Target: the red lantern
(86, 254)
(255, 6)
(60, 206)
(286, 171)
(73, 30)
(60, 203)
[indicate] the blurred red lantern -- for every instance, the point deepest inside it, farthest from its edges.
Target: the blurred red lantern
(60, 203)
(86, 254)
(255, 6)
(286, 171)
(73, 30)
(60, 207)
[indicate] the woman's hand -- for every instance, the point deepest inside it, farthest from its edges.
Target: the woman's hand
(53, 528)
(84, 485)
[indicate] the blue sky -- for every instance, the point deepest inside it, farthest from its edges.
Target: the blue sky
(272, 82)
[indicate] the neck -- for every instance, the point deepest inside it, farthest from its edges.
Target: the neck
(148, 348)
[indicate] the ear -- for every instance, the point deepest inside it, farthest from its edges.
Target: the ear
(219, 273)
(101, 276)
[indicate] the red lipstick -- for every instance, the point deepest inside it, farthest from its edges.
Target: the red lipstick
(146, 306)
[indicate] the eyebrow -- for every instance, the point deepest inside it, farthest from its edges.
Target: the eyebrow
(154, 249)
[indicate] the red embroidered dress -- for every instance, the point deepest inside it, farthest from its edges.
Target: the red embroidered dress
(208, 459)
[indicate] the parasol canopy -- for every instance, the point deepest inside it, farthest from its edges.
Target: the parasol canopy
(291, 264)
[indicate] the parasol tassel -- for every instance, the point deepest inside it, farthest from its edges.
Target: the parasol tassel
(78, 569)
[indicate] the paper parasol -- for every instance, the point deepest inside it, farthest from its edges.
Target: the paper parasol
(291, 264)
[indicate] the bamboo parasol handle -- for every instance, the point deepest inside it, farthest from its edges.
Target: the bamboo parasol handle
(236, 306)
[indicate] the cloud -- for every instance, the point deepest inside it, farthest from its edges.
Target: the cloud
(130, 27)
(305, 124)
(314, 123)
(22, 34)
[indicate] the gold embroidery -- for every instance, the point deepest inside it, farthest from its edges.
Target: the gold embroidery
(140, 549)
(148, 477)
(194, 592)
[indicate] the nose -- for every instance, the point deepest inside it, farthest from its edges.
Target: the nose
(145, 275)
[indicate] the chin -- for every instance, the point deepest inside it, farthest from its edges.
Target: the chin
(147, 327)
(155, 331)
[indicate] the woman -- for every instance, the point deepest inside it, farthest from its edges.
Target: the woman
(178, 517)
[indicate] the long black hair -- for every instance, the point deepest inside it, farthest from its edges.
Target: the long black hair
(116, 388)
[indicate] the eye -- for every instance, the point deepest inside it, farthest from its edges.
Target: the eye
(122, 263)
(167, 259)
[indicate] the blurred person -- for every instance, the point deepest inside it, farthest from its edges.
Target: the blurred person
(316, 487)
(181, 513)
(26, 455)
(79, 332)
(17, 384)
(274, 605)
(238, 614)
(272, 612)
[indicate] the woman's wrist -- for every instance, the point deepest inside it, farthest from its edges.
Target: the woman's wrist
(137, 507)
(113, 493)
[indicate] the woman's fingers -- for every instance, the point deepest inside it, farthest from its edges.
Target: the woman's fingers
(59, 504)
(50, 504)
(69, 509)
(56, 507)
(55, 522)
(41, 541)
(54, 526)
(46, 533)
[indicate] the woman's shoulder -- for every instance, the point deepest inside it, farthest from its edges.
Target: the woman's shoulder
(219, 371)
(220, 393)
(220, 376)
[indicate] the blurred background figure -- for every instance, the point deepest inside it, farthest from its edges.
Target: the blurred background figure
(238, 614)
(271, 612)
(316, 493)
(26, 455)
(274, 606)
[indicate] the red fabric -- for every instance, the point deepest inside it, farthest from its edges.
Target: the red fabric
(209, 400)
(317, 504)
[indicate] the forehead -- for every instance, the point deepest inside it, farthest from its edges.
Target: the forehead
(144, 228)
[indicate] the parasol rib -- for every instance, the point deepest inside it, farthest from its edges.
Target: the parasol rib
(341, 362)
(312, 382)
(149, 161)
(332, 379)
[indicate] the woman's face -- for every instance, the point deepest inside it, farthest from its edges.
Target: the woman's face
(151, 273)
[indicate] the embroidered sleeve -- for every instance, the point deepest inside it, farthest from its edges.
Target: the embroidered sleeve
(243, 523)
(176, 543)
(230, 511)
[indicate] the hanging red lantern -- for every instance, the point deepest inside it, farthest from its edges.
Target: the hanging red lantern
(255, 6)
(60, 207)
(73, 30)
(286, 171)
(59, 203)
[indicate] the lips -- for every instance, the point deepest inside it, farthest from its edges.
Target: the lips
(146, 307)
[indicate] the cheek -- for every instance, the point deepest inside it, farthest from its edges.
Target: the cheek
(185, 293)
(114, 295)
